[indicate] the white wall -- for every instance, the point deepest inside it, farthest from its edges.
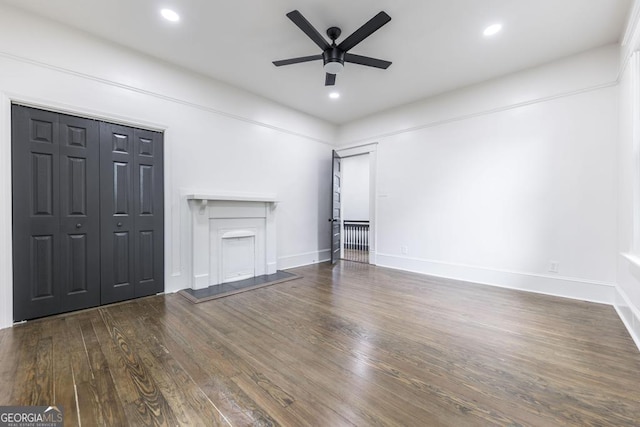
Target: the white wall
(628, 248)
(355, 188)
(217, 138)
(494, 182)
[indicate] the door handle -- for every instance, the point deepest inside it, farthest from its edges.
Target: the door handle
(78, 225)
(119, 224)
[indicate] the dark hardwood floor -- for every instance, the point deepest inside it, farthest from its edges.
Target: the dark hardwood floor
(345, 345)
(355, 255)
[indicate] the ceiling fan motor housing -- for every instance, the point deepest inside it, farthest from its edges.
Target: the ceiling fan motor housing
(333, 59)
(333, 54)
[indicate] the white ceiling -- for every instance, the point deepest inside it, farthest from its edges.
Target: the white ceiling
(435, 45)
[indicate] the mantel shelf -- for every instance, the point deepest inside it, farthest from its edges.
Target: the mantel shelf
(263, 198)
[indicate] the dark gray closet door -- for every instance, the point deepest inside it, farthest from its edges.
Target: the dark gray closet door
(148, 190)
(132, 212)
(55, 229)
(79, 212)
(116, 197)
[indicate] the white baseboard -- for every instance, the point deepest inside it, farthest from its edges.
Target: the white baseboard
(629, 314)
(307, 258)
(272, 267)
(201, 281)
(566, 287)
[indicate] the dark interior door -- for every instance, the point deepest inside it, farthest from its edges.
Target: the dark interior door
(132, 212)
(79, 212)
(148, 209)
(55, 217)
(336, 175)
(87, 212)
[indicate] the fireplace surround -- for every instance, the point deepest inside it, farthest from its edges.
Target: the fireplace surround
(233, 237)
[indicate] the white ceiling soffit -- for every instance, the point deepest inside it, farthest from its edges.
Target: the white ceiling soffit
(435, 45)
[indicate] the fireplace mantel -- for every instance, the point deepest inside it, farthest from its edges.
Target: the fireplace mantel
(237, 197)
(233, 197)
(217, 214)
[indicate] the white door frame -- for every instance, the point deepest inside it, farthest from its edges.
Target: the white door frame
(370, 149)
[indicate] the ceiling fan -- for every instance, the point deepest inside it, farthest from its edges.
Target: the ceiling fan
(334, 56)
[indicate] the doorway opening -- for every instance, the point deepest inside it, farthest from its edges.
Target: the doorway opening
(355, 206)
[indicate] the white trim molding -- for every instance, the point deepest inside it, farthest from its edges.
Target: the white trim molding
(6, 257)
(307, 258)
(629, 315)
(627, 311)
(357, 150)
(486, 112)
(158, 95)
(631, 39)
(560, 286)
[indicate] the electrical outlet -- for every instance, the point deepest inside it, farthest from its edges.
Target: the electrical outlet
(404, 250)
(553, 266)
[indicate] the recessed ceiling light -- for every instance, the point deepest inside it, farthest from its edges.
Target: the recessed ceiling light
(492, 29)
(334, 95)
(170, 15)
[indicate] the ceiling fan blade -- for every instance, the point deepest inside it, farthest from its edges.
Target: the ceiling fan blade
(330, 80)
(365, 31)
(296, 60)
(308, 29)
(365, 60)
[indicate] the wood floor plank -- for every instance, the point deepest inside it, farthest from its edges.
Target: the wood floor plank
(205, 361)
(345, 345)
(384, 373)
(526, 392)
(127, 392)
(263, 377)
(239, 369)
(11, 340)
(186, 400)
(64, 394)
(98, 398)
(152, 407)
(339, 385)
(375, 364)
(286, 399)
(24, 388)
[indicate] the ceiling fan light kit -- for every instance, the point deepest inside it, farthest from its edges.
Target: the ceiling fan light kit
(333, 59)
(334, 56)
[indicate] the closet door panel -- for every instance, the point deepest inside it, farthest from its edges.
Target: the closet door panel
(36, 213)
(79, 212)
(117, 217)
(148, 210)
